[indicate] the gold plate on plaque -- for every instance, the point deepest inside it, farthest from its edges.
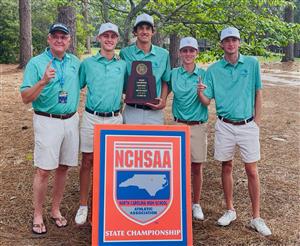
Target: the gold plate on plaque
(141, 69)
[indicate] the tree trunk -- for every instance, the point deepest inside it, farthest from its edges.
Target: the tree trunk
(25, 32)
(157, 39)
(85, 14)
(174, 50)
(134, 10)
(297, 49)
(288, 50)
(105, 10)
(67, 16)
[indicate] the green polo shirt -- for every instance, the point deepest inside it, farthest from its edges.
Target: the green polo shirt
(159, 58)
(47, 101)
(186, 104)
(104, 80)
(234, 87)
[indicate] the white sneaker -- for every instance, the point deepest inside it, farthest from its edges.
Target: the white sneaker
(259, 225)
(227, 218)
(197, 212)
(81, 215)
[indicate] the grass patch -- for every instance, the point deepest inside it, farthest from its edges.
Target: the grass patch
(274, 58)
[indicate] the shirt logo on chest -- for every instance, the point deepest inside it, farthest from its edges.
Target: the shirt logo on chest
(244, 72)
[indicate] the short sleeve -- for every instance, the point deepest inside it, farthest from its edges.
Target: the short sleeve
(30, 77)
(82, 75)
(121, 54)
(208, 81)
(258, 82)
(171, 79)
(167, 73)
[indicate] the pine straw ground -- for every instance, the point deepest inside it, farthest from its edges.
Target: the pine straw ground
(279, 173)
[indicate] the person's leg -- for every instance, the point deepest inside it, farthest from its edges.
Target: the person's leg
(257, 223)
(198, 142)
(86, 146)
(253, 187)
(197, 180)
(133, 115)
(227, 183)
(197, 188)
(225, 143)
(85, 177)
(85, 183)
(248, 141)
(153, 117)
(58, 191)
(40, 185)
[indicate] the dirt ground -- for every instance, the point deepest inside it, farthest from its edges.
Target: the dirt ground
(279, 170)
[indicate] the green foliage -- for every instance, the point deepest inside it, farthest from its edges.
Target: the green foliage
(260, 22)
(9, 31)
(43, 15)
(82, 32)
(59, 3)
(272, 57)
(208, 56)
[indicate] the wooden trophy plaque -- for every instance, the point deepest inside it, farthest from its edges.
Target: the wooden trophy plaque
(141, 85)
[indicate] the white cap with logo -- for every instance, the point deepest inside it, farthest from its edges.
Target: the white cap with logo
(144, 18)
(188, 42)
(108, 27)
(230, 32)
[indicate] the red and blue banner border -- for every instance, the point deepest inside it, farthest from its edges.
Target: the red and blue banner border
(100, 134)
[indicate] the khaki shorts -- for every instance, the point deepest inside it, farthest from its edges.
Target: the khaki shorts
(228, 136)
(87, 129)
(56, 141)
(140, 116)
(198, 142)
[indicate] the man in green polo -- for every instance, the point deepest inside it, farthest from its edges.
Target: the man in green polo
(235, 84)
(188, 110)
(51, 84)
(144, 50)
(103, 75)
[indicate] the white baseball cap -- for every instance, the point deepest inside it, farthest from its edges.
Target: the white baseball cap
(108, 27)
(144, 18)
(188, 42)
(230, 32)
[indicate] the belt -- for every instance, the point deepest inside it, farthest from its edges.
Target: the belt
(103, 114)
(57, 116)
(189, 122)
(145, 107)
(236, 123)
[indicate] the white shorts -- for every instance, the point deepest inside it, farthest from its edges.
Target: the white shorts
(87, 129)
(56, 141)
(198, 142)
(134, 115)
(227, 136)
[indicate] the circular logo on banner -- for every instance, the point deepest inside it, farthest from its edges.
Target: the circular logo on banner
(141, 69)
